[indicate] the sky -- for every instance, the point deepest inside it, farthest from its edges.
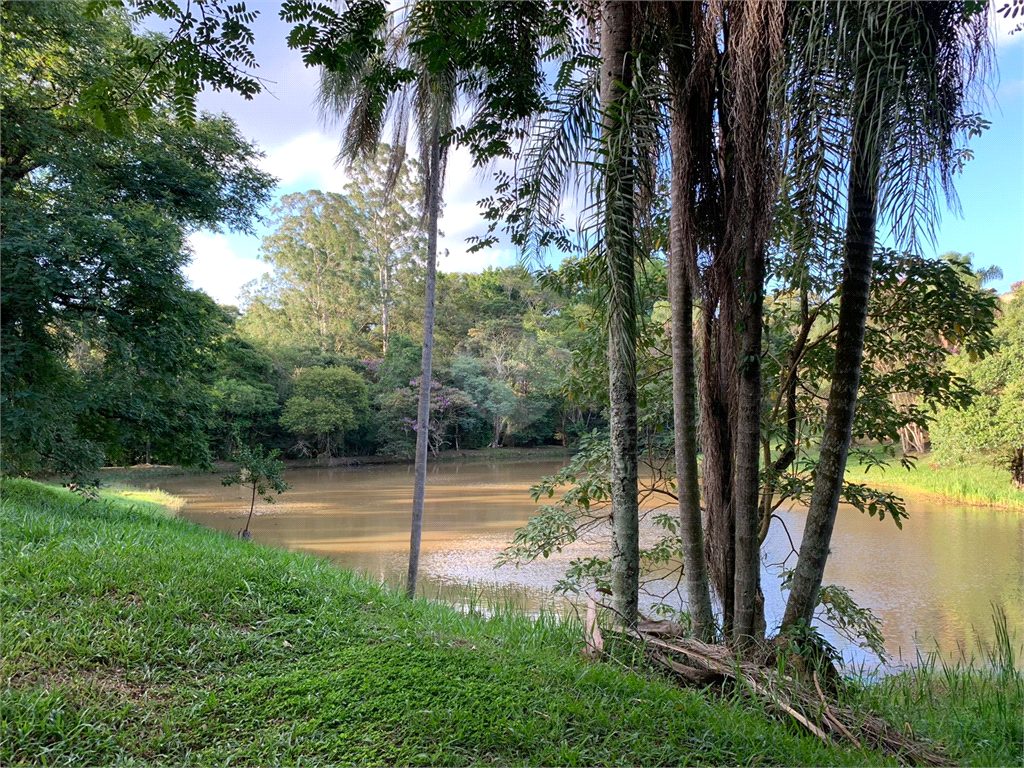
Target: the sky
(300, 152)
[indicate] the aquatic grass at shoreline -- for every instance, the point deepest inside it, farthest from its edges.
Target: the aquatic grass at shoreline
(976, 484)
(977, 710)
(132, 494)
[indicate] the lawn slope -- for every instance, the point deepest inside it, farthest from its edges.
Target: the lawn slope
(129, 636)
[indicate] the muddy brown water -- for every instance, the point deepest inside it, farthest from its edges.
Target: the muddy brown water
(934, 584)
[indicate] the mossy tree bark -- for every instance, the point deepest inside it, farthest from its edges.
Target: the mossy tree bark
(616, 80)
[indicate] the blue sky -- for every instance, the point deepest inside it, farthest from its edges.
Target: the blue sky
(991, 187)
(300, 152)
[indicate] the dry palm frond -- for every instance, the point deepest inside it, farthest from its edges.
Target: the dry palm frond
(799, 698)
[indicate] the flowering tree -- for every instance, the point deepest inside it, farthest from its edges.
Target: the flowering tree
(451, 412)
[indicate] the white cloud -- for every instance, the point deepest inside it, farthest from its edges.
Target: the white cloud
(465, 185)
(217, 269)
(456, 258)
(307, 161)
(459, 220)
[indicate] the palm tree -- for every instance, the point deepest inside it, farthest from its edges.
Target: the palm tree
(911, 65)
(420, 69)
(724, 65)
(604, 130)
(753, 54)
(617, 62)
(689, 131)
(428, 94)
(628, 137)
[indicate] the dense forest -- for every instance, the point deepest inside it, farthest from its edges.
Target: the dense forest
(727, 298)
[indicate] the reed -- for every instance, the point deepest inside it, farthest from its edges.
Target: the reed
(978, 484)
(973, 706)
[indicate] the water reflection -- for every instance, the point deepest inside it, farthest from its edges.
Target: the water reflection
(935, 582)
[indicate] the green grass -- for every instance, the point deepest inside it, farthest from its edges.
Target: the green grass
(147, 496)
(977, 483)
(974, 710)
(131, 637)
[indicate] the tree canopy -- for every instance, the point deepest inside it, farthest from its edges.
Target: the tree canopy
(104, 345)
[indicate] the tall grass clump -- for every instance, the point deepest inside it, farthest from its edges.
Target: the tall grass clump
(970, 483)
(973, 707)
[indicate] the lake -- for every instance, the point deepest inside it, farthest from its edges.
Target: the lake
(936, 583)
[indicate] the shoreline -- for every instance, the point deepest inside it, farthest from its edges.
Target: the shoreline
(478, 455)
(979, 485)
(975, 486)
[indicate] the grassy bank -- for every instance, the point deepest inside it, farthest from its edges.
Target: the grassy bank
(129, 636)
(977, 484)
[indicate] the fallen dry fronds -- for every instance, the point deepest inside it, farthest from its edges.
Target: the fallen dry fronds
(703, 664)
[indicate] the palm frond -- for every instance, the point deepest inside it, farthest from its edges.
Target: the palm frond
(924, 63)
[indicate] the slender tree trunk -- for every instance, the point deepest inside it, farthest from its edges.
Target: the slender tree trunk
(385, 312)
(716, 444)
(616, 77)
(746, 494)
(252, 507)
(752, 40)
(754, 47)
(682, 269)
(783, 462)
(862, 206)
(423, 417)
(498, 422)
(684, 399)
(384, 282)
(1016, 465)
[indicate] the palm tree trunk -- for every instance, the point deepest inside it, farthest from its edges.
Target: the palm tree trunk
(862, 206)
(717, 446)
(753, 46)
(682, 267)
(616, 76)
(684, 400)
(746, 494)
(423, 417)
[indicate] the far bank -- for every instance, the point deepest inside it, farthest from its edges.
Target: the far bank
(975, 484)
